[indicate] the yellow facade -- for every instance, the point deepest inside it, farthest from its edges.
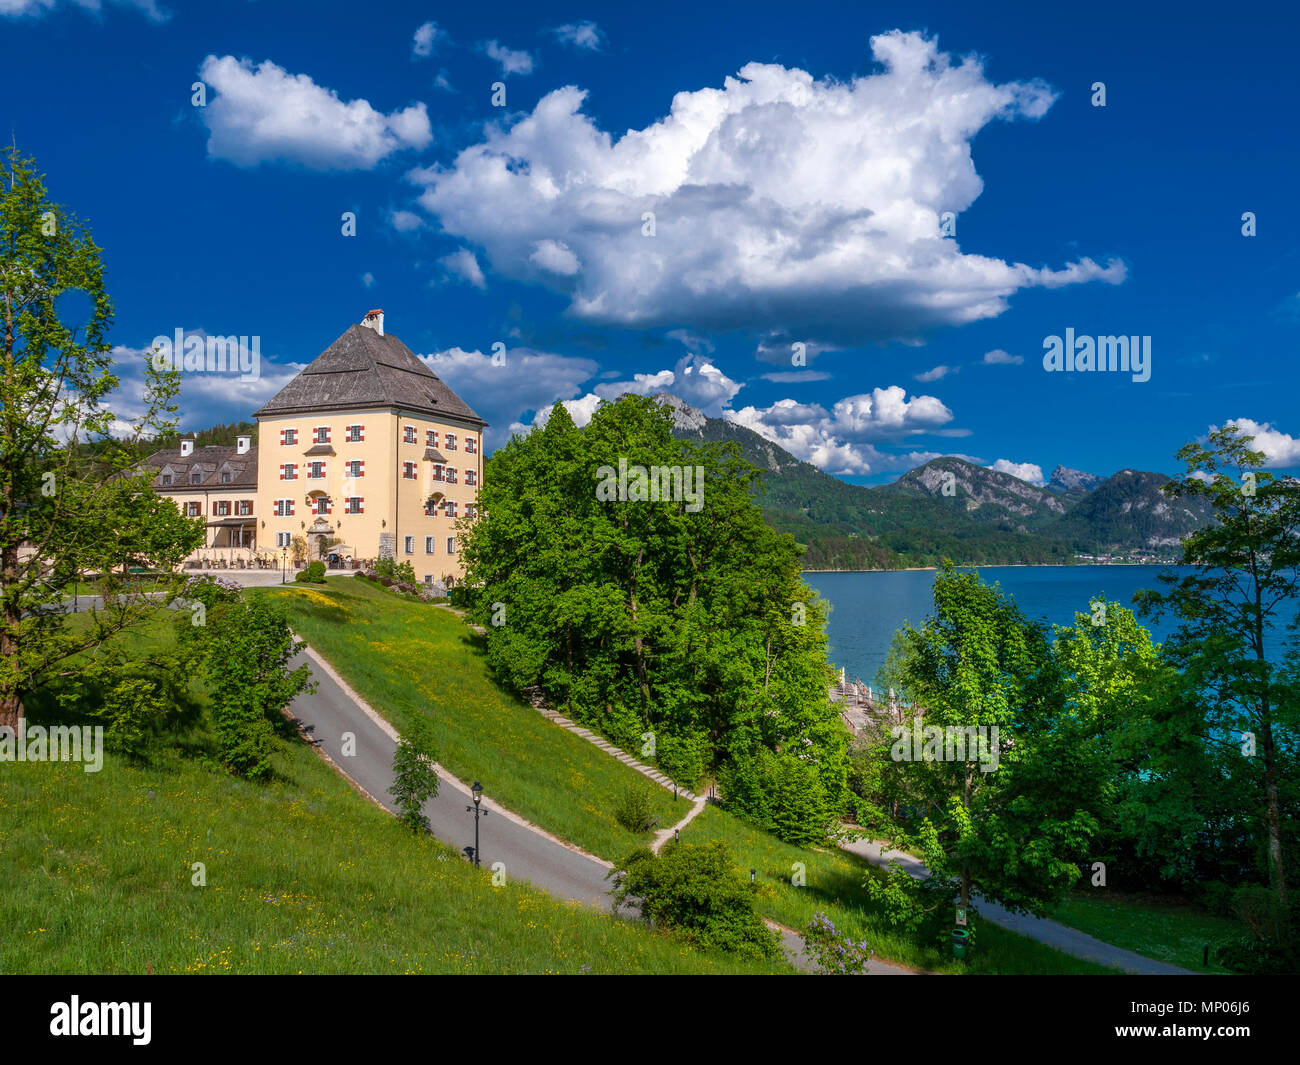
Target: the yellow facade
(364, 454)
(369, 479)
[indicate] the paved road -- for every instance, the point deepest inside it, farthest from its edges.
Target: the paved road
(1062, 937)
(528, 855)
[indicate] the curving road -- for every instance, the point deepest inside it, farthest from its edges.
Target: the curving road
(527, 852)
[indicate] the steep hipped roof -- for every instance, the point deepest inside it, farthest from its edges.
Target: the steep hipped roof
(364, 368)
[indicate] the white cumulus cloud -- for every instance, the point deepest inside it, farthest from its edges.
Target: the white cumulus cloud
(512, 62)
(527, 381)
(264, 113)
(842, 440)
(694, 379)
(998, 357)
(584, 35)
(1280, 449)
(799, 208)
(427, 38)
(37, 8)
(463, 264)
(555, 257)
(1026, 471)
(405, 221)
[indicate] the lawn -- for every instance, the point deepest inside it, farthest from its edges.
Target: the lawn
(1170, 932)
(408, 658)
(302, 875)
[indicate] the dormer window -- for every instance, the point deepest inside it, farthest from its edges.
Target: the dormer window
(196, 478)
(166, 479)
(225, 477)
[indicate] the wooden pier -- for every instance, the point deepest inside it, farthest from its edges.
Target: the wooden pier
(861, 705)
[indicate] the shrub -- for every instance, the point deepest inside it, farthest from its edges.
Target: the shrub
(210, 590)
(633, 810)
(313, 574)
(834, 952)
(779, 793)
(1269, 946)
(1216, 896)
(394, 570)
(696, 892)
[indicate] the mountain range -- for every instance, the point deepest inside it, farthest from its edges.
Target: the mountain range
(952, 508)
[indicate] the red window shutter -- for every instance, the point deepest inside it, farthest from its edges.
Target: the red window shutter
(291, 502)
(361, 432)
(361, 506)
(282, 471)
(361, 469)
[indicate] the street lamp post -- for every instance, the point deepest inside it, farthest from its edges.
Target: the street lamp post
(284, 565)
(476, 789)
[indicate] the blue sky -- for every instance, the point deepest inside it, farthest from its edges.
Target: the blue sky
(798, 160)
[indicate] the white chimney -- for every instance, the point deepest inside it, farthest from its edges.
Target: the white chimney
(242, 444)
(374, 320)
(187, 448)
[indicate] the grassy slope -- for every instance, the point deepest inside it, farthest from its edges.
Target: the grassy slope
(362, 630)
(303, 875)
(405, 658)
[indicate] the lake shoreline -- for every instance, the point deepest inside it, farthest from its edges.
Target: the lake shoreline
(996, 565)
(866, 613)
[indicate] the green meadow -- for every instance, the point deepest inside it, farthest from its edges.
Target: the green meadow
(407, 658)
(298, 875)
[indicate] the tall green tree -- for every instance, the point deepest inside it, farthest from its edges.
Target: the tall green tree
(679, 627)
(1119, 686)
(1234, 612)
(63, 510)
(1016, 832)
(247, 664)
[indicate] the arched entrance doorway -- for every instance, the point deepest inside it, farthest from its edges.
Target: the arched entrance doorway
(318, 535)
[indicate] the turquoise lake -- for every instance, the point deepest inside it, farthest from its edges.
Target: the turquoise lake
(867, 608)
